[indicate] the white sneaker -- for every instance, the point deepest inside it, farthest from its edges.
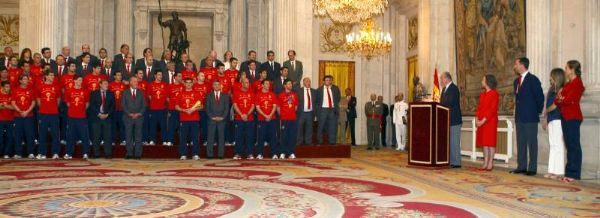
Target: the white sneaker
(31, 156)
(38, 156)
(6, 157)
(260, 157)
(123, 143)
(41, 157)
(292, 156)
(266, 144)
(63, 142)
(78, 142)
(102, 142)
(67, 157)
(151, 143)
(145, 143)
(282, 156)
(195, 157)
(275, 157)
(183, 158)
(17, 157)
(113, 144)
(204, 143)
(250, 157)
(36, 142)
(55, 156)
(85, 156)
(237, 157)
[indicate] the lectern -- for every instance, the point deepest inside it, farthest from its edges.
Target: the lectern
(429, 135)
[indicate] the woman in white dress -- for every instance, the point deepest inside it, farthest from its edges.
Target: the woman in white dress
(399, 119)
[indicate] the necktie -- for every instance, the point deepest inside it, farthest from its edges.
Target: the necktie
(520, 82)
(171, 77)
(329, 100)
(108, 72)
(102, 63)
(308, 95)
(128, 69)
(148, 72)
(217, 96)
(133, 93)
(85, 67)
(102, 104)
(293, 65)
(60, 71)
(272, 66)
(252, 74)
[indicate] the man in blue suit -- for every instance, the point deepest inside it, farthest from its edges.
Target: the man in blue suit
(529, 102)
(273, 68)
(102, 104)
(451, 99)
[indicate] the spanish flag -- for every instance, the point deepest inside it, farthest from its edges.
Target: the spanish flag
(436, 87)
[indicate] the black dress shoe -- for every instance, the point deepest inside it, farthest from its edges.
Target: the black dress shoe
(377, 148)
(369, 148)
(209, 158)
(530, 173)
(455, 166)
(517, 172)
(127, 157)
(138, 158)
(108, 157)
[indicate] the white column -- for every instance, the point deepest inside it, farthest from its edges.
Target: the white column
(124, 24)
(237, 29)
(42, 28)
(285, 28)
(304, 43)
(539, 42)
(252, 22)
(591, 77)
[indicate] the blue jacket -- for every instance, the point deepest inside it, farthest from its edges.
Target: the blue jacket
(529, 101)
(451, 99)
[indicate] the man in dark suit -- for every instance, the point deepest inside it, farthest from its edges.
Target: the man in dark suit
(66, 53)
(214, 60)
(252, 73)
(134, 107)
(108, 69)
(142, 62)
(351, 114)
(217, 109)
(385, 112)
(529, 103)
(47, 56)
(85, 48)
(85, 66)
(8, 52)
(167, 57)
(102, 104)
(150, 68)
(306, 112)
(295, 67)
(273, 68)
(451, 99)
(127, 68)
(279, 81)
(59, 67)
(328, 98)
(245, 66)
(119, 59)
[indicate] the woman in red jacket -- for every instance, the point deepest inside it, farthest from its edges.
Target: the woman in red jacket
(487, 120)
(567, 100)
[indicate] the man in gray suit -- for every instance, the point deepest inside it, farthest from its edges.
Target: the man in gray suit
(306, 112)
(328, 98)
(295, 68)
(373, 110)
(134, 107)
(217, 108)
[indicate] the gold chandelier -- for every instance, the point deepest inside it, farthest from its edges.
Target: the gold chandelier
(349, 11)
(369, 42)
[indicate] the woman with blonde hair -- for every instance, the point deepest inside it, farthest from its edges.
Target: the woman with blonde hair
(556, 160)
(487, 120)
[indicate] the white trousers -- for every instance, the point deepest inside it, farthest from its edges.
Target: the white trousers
(401, 135)
(556, 161)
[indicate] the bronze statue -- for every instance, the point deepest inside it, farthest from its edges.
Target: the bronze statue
(178, 37)
(419, 89)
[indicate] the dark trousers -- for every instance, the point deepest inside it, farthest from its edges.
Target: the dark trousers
(62, 113)
(49, 123)
(351, 125)
(305, 128)
(117, 123)
(172, 125)
(146, 127)
(102, 129)
(244, 137)
(527, 144)
(327, 119)
(157, 118)
(78, 129)
(24, 132)
(394, 142)
(288, 137)
(572, 134)
(229, 130)
(218, 128)
(383, 129)
(6, 137)
(134, 136)
(191, 129)
(267, 132)
(203, 126)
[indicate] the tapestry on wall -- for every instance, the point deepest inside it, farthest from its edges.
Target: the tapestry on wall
(9, 30)
(490, 34)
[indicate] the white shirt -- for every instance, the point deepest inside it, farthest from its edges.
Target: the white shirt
(326, 97)
(447, 85)
(171, 74)
(400, 109)
(306, 109)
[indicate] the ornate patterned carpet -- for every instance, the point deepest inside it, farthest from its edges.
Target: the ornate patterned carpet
(371, 184)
